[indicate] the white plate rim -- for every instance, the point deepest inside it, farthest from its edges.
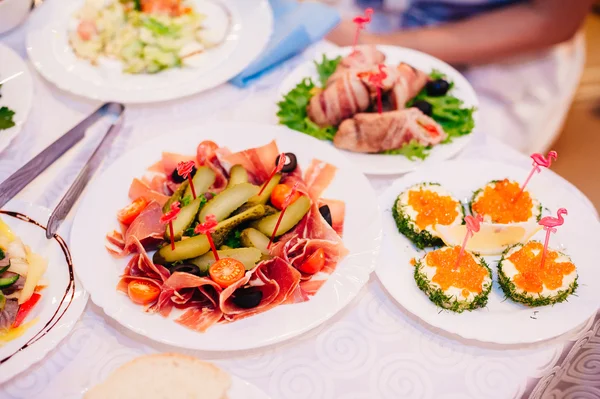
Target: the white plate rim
(369, 162)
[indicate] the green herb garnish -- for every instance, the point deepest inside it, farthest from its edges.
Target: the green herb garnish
(186, 200)
(326, 68)
(137, 5)
(233, 240)
(411, 150)
(6, 118)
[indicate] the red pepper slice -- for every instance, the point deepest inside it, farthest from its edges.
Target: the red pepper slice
(25, 309)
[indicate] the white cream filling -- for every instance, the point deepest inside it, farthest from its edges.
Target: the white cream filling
(535, 204)
(511, 271)
(412, 213)
(453, 291)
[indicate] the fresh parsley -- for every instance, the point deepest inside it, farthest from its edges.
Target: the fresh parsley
(411, 150)
(6, 118)
(185, 201)
(233, 240)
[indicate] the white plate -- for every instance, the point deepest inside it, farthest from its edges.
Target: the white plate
(377, 164)
(59, 308)
(100, 272)
(17, 92)
(502, 321)
(50, 52)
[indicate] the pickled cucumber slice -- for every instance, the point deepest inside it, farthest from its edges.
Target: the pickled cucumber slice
(263, 198)
(227, 201)
(253, 238)
(184, 219)
(203, 179)
(225, 227)
(248, 256)
(177, 196)
(293, 214)
(185, 249)
(237, 175)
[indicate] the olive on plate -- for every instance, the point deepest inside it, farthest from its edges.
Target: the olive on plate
(423, 106)
(186, 268)
(177, 178)
(247, 298)
(290, 162)
(326, 213)
(438, 87)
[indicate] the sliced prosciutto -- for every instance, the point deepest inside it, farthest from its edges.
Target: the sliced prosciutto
(259, 162)
(140, 189)
(145, 231)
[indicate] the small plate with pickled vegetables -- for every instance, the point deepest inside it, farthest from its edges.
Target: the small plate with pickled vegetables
(464, 250)
(254, 236)
(139, 51)
(40, 301)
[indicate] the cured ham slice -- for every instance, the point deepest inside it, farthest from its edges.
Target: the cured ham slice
(409, 82)
(372, 133)
(170, 161)
(157, 182)
(318, 177)
(146, 230)
(176, 282)
(269, 289)
(364, 57)
(259, 162)
(205, 156)
(338, 213)
(340, 100)
(200, 318)
(140, 189)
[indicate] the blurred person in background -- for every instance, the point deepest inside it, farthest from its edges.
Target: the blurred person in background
(524, 58)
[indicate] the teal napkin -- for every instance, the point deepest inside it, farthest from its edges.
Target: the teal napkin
(296, 26)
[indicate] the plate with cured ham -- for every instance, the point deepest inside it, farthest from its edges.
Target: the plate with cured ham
(482, 250)
(389, 109)
(254, 236)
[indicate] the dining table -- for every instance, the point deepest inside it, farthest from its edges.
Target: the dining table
(372, 349)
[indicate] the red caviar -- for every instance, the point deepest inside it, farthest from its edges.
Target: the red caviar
(532, 276)
(500, 202)
(469, 274)
(432, 208)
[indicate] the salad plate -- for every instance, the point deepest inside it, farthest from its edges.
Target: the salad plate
(156, 57)
(454, 110)
(334, 287)
(495, 316)
(56, 303)
(16, 94)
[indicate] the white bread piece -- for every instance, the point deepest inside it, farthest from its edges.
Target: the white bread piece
(164, 376)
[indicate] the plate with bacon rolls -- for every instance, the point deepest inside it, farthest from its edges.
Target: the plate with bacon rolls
(389, 109)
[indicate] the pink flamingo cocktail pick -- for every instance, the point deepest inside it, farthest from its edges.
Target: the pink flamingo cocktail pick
(550, 223)
(538, 161)
(361, 22)
(169, 217)
(376, 79)
(184, 169)
(208, 227)
(286, 203)
(278, 167)
(473, 225)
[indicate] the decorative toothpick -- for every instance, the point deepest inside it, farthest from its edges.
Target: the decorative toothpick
(538, 161)
(473, 226)
(184, 169)
(169, 217)
(376, 79)
(550, 223)
(286, 203)
(208, 227)
(361, 23)
(278, 167)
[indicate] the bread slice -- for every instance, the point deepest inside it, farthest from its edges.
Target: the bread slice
(164, 376)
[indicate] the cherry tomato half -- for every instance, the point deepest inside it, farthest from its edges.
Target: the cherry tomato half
(314, 263)
(142, 292)
(226, 271)
(128, 214)
(280, 193)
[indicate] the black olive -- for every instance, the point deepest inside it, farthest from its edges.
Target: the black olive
(326, 213)
(186, 268)
(423, 106)
(436, 88)
(290, 162)
(179, 179)
(247, 298)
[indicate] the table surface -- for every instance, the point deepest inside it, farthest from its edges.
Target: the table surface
(371, 349)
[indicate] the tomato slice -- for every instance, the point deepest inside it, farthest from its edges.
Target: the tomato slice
(128, 214)
(280, 193)
(314, 263)
(206, 151)
(227, 271)
(25, 309)
(142, 292)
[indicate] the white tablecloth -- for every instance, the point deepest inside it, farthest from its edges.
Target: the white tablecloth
(372, 349)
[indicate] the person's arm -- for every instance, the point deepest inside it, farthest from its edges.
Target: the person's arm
(487, 37)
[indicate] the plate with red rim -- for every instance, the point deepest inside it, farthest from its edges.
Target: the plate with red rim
(502, 321)
(382, 164)
(100, 272)
(62, 300)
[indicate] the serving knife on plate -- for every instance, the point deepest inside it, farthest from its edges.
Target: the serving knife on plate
(22, 177)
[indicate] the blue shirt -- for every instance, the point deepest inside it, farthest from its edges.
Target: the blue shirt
(433, 12)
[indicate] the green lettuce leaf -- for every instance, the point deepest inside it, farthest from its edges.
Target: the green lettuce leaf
(326, 68)
(6, 118)
(411, 150)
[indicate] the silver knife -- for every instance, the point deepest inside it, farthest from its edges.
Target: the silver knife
(68, 200)
(22, 177)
